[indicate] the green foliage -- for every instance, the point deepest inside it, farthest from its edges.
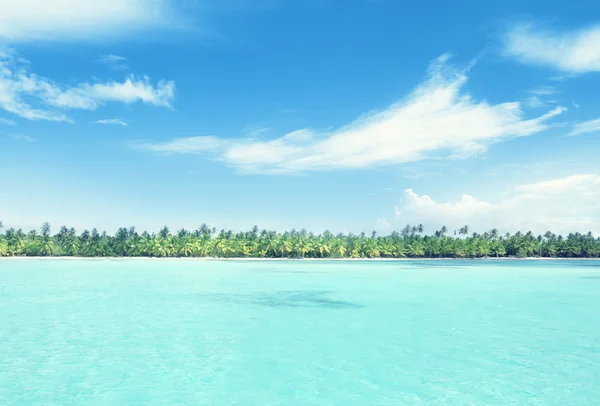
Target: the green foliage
(410, 242)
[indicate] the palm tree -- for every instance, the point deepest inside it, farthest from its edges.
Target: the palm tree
(46, 231)
(17, 245)
(339, 249)
(32, 235)
(164, 233)
(416, 250)
(4, 250)
(188, 248)
(47, 248)
(406, 231)
(296, 244)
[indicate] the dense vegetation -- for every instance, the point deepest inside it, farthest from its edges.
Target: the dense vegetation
(411, 242)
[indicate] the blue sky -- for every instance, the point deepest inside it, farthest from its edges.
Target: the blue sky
(340, 115)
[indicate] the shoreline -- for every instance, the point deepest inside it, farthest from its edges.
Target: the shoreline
(217, 259)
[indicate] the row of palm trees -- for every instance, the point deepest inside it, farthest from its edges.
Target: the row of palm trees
(410, 242)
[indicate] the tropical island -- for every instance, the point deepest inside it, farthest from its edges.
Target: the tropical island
(410, 242)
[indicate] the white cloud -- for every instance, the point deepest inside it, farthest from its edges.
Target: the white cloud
(539, 97)
(578, 183)
(257, 132)
(543, 91)
(437, 117)
(116, 121)
(21, 137)
(43, 20)
(562, 205)
(191, 145)
(383, 224)
(574, 52)
(27, 95)
(465, 207)
(6, 121)
(591, 126)
(115, 62)
(88, 96)
(534, 102)
(111, 58)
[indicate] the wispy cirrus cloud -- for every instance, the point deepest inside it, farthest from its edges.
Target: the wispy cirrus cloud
(543, 91)
(6, 121)
(573, 52)
(590, 126)
(563, 205)
(89, 96)
(540, 97)
(32, 97)
(534, 102)
(189, 145)
(438, 118)
(115, 121)
(21, 137)
(582, 182)
(42, 20)
(114, 62)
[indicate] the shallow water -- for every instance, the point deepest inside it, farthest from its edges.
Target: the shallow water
(114, 332)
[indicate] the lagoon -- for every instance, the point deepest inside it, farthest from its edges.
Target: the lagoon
(173, 332)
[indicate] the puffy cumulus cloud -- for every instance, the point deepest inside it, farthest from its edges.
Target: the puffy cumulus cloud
(43, 20)
(32, 97)
(561, 205)
(575, 52)
(465, 207)
(438, 117)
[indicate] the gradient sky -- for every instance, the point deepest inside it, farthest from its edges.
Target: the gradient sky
(343, 115)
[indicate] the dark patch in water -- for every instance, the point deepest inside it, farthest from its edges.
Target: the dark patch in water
(294, 298)
(590, 277)
(425, 265)
(279, 270)
(303, 298)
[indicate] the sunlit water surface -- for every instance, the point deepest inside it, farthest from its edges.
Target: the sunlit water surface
(115, 332)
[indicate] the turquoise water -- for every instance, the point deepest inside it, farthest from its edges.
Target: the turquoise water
(108, 332)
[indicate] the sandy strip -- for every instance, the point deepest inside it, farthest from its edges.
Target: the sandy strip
(23, 258)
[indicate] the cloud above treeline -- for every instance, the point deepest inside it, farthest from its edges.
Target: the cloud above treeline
(438, 118)
(32, 97)
(561, 205)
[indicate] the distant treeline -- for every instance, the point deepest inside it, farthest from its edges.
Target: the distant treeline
(411, 242)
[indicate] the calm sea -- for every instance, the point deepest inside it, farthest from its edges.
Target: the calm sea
(118, 332)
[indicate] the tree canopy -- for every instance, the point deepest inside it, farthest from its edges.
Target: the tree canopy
(205, 241)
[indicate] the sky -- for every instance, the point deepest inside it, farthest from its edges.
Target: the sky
(345, 115)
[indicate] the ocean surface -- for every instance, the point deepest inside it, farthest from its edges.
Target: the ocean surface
(175, 332)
